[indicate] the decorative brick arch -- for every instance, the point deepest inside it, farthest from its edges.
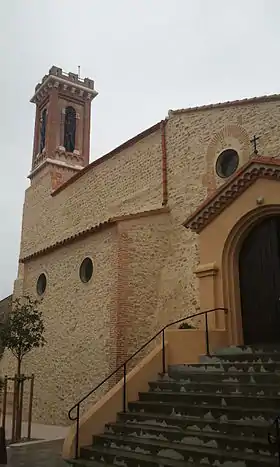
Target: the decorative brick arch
(231, 136)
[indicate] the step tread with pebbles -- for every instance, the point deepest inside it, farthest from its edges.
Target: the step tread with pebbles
(118, 455)
(164, 419)
(166, 382)
(217, 413)
(172, 451)
(175, 405)
(87, 463)
(161, 432)
(180, 439)
(183, 395)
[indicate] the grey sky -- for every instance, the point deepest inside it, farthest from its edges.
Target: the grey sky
(146, 56)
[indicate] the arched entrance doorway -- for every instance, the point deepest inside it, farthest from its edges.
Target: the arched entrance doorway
(259, 280)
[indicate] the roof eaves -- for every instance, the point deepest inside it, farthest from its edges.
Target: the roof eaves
(84, 233)
(251, 100)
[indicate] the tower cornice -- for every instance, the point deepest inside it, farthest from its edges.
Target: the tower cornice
(65, 83)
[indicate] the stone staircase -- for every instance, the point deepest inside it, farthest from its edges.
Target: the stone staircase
(215, 413)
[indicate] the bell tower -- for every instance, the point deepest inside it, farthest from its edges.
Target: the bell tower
(62, 125)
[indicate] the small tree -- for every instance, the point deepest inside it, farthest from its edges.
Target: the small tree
(23, 329)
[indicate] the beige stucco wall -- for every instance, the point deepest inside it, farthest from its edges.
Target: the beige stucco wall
(215, 240)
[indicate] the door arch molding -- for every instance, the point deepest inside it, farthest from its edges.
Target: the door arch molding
(230, 267)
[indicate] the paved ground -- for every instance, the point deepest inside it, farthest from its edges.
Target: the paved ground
(38, 431)
(45, 453)
(39, 454)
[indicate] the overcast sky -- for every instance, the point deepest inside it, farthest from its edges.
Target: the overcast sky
(146, 56)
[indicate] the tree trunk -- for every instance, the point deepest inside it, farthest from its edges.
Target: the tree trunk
(18, 366)
(18, 414)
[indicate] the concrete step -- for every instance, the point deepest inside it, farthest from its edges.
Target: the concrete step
(243, 357)
(205, 399)
(208, 412)
(86, 463)
(220, 376)
(216, 388)
(247, 427)
(225, 367)
(130, 459)
(249, 349)
(132, 462)
(177, 451)
(217, 413)
(190, 437)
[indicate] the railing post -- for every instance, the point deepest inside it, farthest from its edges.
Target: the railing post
(207, 335)
(4, 402)
(163, 352)
(124, 387)
(30, 407)
(14, 409)
(278, 438)
(77, 432)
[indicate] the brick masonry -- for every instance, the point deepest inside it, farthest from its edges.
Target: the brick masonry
(143, 268)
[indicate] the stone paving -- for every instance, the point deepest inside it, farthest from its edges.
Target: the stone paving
(39, 454)
(43, 453)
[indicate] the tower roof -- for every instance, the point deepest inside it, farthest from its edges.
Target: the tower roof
(65, 82)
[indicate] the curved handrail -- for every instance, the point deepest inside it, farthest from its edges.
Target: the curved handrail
(124, 365)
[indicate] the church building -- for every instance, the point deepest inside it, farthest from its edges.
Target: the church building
(183, 217)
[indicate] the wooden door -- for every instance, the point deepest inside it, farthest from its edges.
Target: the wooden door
(259, 275)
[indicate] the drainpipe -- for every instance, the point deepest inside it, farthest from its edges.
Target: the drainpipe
(164, 163)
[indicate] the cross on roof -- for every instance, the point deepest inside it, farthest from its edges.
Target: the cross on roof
(254, 142)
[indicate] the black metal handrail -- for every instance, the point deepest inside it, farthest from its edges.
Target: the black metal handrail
(275, 439)
(123, 366)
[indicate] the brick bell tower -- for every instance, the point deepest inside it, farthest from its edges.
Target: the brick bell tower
(62, 126)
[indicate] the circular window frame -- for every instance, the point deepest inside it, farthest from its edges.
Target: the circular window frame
(84, 274)
(41, 284)
(219, 162)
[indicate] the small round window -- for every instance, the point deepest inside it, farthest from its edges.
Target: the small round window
(86, 270)
(227, 163)
(41, 284)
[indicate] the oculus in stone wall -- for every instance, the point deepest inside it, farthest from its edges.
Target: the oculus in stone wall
(41, 284)
(227, 163)
(86, 270)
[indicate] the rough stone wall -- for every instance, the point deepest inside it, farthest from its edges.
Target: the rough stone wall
(194, 141)
(154, 282)
(127, 182)
(144, 242)
(92, 328)
(5, 309)
(80, 324)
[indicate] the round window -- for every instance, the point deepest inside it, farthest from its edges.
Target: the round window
(227, 163)
(41, 284)
(86, 270)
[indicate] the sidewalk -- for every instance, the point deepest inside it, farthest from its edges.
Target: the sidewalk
(40, 454)
(38, 431)
(44, 452)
